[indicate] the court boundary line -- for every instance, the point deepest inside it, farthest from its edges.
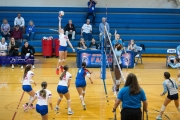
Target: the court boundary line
(18, 106)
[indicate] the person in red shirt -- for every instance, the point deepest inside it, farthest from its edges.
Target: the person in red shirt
(17, 35)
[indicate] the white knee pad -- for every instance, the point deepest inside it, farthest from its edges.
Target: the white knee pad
(62, 60)
(59, 60)
(59, 98)
(69, 100)
(83, 92)
(81, 96)
(178, 108)
(163, 108)
(118, 82)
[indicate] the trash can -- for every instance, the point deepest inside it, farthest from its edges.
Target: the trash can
(47, 47)
(56, 47)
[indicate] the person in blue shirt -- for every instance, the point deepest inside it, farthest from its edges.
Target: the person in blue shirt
(91, 10)
(117, 40)
(171, 88)
(175, 63)
(131, 96)
(101, 28)
(30, 31)
(81, 82)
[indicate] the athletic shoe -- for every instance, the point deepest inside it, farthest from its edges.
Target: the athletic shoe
(33, 67)
(21, 67)
(61, 68)
(24, 106)
(56, 108)
(12, 67)
(57, 71)
(70, 112)
(31, 106)
(84, 107)
(159, 117)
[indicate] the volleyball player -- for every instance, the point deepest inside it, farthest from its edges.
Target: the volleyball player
(62, 89)
(63, 39)
(44, 97)
(117, 73)
(171, 87)
(27, 80)
(81, 82)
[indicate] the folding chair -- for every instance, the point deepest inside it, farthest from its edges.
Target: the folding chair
(171, 54)
(139, 55)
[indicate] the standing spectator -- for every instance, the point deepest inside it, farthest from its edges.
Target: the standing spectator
(70, 29)
(101, 28)
(27, 52)
(3, 51)
(17, 35)
(30, 30)
(91, 10)
(86, 30)
(13, 49)
(93, 45)
(19, 21)
(81, 45)
(131, 96)
(5, 28)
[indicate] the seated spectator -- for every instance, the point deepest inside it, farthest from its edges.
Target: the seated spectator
(19, 21)
(3, 51)
(17, 35)
(175, 63)
(91, 10)
(81, 45)
(13, 49)
(27, 52)
(93, 45)
(178, 51)
(5, 29)
(30, 30)
(132, 46)
(101, 28)
(70, 29)
(117, 40)
(86, 31)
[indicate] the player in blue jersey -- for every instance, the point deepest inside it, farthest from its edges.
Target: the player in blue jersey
(81, 82)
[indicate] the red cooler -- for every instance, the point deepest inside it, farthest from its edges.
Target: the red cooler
(47, 48)
(56, 44)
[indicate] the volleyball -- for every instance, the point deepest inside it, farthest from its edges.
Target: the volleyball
(61, 13)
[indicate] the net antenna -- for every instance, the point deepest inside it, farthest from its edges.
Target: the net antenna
(110, 43)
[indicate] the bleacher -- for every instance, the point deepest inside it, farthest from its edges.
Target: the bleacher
(158, 29)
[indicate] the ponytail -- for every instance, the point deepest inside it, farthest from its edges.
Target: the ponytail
(64, 73)
(171, 82)
(42, 92)
(167, 76)
(28, 67)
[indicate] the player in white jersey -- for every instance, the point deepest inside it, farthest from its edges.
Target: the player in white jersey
(62, 89)
(3, 47)
(171, 87)
(44, 97)
(63, 40)
(26, 83)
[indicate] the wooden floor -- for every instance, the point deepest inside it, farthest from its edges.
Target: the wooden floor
(150, 76)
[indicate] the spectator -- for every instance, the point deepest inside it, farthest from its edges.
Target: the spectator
(30, 30)
(27, 52)
(70, 29)
(13, 49)
(86, 31)
(3, 51)
(131, 96)
(117, 40)
(93, 45)
(5, 28)
(91, 10)
(81, 45)
(19, 21)
(101, 28)
(132, 46)
(175, 63)
(178, 51)
(17, 35)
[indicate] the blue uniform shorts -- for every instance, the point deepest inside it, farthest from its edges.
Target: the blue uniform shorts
(62, 48)
(43, 110)
(62, 89)
(80, 83)
(27, 88)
